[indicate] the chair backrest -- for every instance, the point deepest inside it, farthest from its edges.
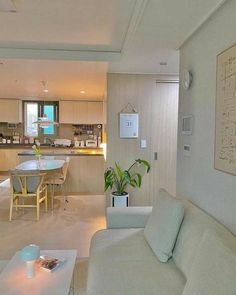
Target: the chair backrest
(25, 182)
(65, 167)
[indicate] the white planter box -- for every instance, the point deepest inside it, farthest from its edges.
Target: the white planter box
(119, 201)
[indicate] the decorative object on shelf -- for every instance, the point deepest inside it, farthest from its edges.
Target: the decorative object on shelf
(129, 122)
(120, 179)
(187, 125)
(187, 79)
(30, 254)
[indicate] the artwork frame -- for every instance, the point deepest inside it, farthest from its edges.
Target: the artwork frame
(129, 125)
(225, 112)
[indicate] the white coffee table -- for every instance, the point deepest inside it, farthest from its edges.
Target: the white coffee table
(13, 280)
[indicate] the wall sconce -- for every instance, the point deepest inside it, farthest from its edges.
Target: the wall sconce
(29, 254)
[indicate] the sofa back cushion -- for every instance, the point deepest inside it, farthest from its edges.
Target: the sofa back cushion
(214, 267)
(163, 225)
(195, 223)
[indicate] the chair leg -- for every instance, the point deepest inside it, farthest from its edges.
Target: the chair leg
(52, 197)
(46, 200)
(16, 204)
(64, 196)
(11, 207)
(38, 205)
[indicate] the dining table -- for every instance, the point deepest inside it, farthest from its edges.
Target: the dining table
(43, 165)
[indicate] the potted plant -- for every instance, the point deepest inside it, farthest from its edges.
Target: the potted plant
(118, 179)
(37, 150)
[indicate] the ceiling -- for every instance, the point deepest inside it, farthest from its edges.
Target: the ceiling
(73, 44)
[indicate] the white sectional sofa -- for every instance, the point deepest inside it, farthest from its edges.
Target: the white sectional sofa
(122, 262)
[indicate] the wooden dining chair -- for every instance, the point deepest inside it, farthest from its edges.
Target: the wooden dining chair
(27, 185)
(58, 179)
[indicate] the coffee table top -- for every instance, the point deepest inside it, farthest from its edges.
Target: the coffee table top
(13, 280)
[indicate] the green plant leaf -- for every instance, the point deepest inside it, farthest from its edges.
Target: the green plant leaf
(145, 163)
(119, 171)
(118, 179)
(139, 179)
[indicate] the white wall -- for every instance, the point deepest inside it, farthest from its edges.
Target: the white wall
(212, 190)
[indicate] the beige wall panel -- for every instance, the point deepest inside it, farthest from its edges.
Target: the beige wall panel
(141, 91)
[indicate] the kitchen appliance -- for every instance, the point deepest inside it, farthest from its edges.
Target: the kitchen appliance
(79, 143)
(62, 142)
(91, 143)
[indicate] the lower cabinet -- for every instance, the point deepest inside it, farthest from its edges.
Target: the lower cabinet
(85, 173)
(9, 158)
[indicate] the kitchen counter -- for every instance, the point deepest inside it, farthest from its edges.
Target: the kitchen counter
(86, 167)
(26, 150)
(85, 172)
(53, 151)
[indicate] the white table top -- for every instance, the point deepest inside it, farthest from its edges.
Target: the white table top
(42, 165)
(13, 280)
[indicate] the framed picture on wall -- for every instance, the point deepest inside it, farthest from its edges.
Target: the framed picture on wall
(129, 125)
(225, 118)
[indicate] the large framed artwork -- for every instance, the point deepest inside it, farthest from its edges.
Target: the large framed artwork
(225, 130)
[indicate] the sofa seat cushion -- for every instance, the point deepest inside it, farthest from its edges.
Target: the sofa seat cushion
(121, 262)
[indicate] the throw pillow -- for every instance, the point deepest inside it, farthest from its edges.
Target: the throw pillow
(214, 268)
(163, 225)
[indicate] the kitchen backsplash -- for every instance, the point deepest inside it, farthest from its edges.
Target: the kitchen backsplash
(79, 133)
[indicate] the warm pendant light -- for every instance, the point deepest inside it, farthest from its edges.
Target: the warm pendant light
(44, 122)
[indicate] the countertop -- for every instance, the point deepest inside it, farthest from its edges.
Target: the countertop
(47, 150)
(65, 152)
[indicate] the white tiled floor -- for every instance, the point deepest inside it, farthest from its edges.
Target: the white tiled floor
(69, 229)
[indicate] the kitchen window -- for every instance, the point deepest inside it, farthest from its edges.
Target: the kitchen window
(36, 109)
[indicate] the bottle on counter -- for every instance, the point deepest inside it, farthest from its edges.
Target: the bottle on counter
(26, 140)
(99, 140)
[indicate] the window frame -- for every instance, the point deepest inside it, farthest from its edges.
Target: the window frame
(41, 105)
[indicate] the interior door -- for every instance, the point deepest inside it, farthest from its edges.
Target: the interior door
(164, 134)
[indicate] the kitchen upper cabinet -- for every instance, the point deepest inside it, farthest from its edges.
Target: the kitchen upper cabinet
(66, 111)
(81, 112)
(95, 112)
(10, 110)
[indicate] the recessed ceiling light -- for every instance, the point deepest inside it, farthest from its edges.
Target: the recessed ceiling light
(82, 92)
(45, 90)
(163, 63)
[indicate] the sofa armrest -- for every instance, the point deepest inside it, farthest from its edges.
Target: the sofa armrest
(128, 217)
